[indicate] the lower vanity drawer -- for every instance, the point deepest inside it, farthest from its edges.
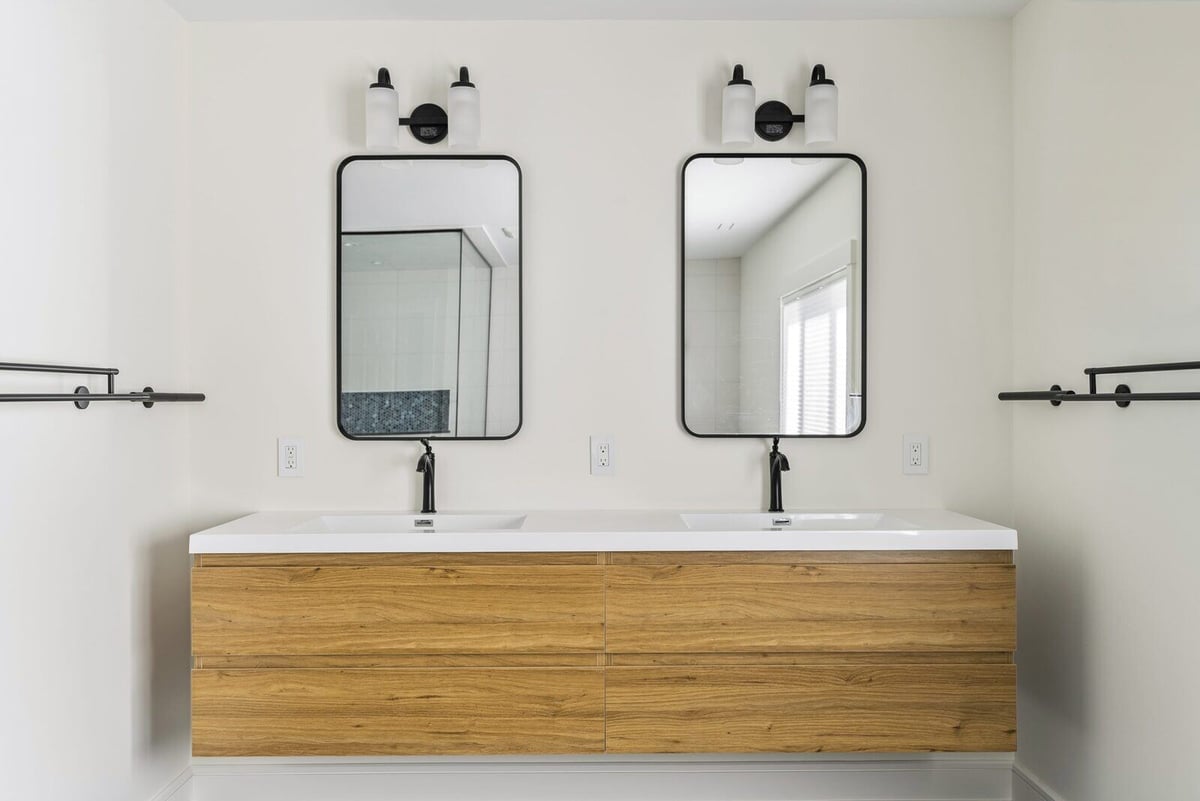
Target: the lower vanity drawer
(373, 712)
(833, 708)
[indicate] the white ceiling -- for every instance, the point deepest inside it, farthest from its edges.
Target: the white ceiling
(215, 10)
(415, 194)
(728, 207)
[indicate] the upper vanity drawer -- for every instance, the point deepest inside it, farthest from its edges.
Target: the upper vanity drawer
(730, 604)
(394, 609)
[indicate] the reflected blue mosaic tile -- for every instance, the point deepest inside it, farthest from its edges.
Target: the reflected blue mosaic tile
(425, 411)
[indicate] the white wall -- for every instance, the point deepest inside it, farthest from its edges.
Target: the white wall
(1107, 202)
(275, 107)
(93, 584)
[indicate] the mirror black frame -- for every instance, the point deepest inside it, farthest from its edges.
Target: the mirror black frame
(520, 297)
(862, 423)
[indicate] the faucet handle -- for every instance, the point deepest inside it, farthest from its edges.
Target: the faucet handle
(778, 456)
(426, 460)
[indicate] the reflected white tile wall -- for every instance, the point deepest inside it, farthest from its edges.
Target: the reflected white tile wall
(712, 344)
(397, 326)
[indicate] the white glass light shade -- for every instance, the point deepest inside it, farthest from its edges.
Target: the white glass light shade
(737, 114)
(462, 115)
(821, 113)
(383, 115)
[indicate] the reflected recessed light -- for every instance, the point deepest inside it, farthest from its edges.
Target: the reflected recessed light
(349, 244)
(377, 263)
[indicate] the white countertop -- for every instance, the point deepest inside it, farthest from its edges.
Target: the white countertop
(498, 532)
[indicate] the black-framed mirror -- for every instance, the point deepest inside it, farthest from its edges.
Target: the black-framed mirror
(429, 297)
(773, 295)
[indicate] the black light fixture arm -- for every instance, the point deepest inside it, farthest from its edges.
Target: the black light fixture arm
(773, 120)
(82, 397)
(429, 123)
(1122, 396)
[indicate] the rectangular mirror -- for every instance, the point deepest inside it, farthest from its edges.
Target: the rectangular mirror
(429, 297)
(774, 295)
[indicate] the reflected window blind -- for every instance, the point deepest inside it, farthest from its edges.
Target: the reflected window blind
(815, 365)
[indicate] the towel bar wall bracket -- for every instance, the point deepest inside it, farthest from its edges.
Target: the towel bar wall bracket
(1123, 395)
(82, 396)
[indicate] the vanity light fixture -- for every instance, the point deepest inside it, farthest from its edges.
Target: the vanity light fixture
(463, 102)
(383, 107)
(773, 120)
(429, 123)
(737, 110)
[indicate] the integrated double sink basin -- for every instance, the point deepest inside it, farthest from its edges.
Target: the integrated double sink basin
(398, 524)
(601, 531)
(500, 523)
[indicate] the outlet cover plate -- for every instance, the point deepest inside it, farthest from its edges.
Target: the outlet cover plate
(602, 452)
(915, 454)
(290, 457)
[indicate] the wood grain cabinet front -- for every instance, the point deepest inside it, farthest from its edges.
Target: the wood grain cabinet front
(731, 604)
(790, 652)
(396, 711)
(829, 707)
(393, 654)
(396, 609)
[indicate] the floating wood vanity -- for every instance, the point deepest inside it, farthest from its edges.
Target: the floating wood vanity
(600, 651)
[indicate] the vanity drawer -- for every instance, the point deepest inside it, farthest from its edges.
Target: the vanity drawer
(372, 712)
(731, 604)
(397, 609)
(835, 708)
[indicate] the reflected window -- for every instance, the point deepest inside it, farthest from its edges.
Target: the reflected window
(815, 365)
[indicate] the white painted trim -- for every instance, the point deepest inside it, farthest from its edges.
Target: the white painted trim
(818, 777)
(178, 789)
(1025, 776)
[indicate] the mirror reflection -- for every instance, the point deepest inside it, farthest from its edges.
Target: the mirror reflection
(429, 298)
(773, 289)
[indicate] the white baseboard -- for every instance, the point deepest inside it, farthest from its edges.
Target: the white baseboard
(178, 789)
(924, 777)
(1028, 787)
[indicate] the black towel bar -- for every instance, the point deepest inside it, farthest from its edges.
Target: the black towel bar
(1123, 396)
(81, 397)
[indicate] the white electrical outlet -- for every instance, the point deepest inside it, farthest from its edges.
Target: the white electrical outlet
(602, 455)
(916, 454)
(290, 458)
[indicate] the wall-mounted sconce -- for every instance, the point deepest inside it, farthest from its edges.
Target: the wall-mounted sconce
(773, 120)
(428, 123)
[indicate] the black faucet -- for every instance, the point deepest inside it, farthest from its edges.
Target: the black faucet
(425, 465)
(776, 463)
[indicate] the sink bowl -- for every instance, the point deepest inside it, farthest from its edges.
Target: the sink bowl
(793, 521)
(399, 523)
